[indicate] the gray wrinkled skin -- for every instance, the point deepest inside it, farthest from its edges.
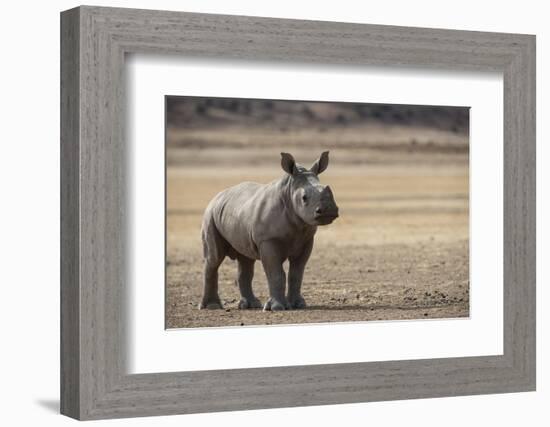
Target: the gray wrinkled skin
(271, 223)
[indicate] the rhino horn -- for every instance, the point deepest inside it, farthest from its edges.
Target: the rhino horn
(327, 192)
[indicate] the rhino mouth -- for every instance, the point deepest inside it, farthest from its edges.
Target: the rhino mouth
(326, 218)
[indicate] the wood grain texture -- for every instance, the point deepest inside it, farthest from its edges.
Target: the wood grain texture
(70, 221)
(95, 274)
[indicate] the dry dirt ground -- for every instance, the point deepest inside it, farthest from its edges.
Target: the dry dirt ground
(399, 250)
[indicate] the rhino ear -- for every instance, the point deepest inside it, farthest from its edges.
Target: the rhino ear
(288, 163)
(321, 164)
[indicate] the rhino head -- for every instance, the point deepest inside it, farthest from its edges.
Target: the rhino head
(311, 201)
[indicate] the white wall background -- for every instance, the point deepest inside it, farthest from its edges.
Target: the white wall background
(29, 212)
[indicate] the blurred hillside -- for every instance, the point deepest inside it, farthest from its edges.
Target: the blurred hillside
(214, 131)
(201, 112)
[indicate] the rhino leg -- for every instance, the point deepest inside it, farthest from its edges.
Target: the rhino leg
(244, 279)
(210, 298)
(296, 269)
(272, 261)
(214, 251)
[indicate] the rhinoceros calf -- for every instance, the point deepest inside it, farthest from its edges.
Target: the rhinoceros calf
(268, 222)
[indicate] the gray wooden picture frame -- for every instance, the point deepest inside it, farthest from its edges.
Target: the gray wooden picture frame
(94, 381)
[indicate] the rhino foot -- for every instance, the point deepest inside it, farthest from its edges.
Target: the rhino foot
(245, 303)
(210, 305)
(297, 302)
(274, 305)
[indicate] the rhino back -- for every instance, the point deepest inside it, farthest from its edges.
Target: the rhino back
(250, 213)
(234, 212)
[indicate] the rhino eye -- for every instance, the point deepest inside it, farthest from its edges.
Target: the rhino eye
(304, 198)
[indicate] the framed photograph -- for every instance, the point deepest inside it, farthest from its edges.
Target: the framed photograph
(397, 206)
(261, 213)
